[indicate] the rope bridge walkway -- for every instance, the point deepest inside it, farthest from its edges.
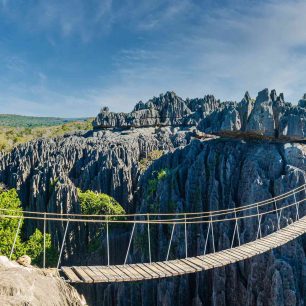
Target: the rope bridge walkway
(292, 202)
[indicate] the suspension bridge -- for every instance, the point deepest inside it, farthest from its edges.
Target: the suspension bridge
(288, 207)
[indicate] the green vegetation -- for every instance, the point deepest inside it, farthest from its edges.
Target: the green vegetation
(93, 203)
(31, 122)
(12, 136)
(32, 247)
(159, 176)
(145, 163)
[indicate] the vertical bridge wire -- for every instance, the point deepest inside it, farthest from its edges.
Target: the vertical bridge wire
(129, 246)
(62, 247)
(173, 227)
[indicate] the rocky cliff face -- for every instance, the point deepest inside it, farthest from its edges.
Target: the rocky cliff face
(220, 174)
(269, 115)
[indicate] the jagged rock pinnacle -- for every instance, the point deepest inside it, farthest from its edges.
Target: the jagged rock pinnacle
(268, 116)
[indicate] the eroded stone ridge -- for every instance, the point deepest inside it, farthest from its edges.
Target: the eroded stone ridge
(268, 116)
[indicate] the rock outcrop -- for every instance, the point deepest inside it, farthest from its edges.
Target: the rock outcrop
(21, 286)
(268, 116)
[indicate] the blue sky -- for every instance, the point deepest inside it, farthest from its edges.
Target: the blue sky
(69, 58)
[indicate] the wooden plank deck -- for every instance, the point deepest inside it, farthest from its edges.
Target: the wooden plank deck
(139, 272)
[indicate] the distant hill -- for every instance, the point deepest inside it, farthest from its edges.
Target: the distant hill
(15, 129)
(31, 121)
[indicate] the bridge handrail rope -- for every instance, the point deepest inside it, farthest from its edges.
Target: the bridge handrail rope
(169, 221)
(202, 214)
(275, 210)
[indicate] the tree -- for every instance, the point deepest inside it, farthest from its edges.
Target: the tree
(10, 205)
(93, 203)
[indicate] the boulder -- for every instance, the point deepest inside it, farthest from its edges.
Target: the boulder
(24, 260)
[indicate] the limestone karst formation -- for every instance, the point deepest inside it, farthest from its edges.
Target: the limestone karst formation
(260, 153)
(267, 115)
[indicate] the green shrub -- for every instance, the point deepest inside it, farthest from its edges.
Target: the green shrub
(153, 183)
(32, 247)
(93, 203)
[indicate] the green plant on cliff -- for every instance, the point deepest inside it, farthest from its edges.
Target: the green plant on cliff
(93, 203)
(33, 246)
(158, 177)
(146, 162)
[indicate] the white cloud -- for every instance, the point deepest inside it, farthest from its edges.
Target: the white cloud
(227, 52)
(189, 48)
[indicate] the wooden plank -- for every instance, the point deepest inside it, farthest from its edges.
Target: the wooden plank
(91, 274)
(121, 272)
(213, 261)
(137, 272)
(226, 258)
(257, 247)
(292, 232)
(212, 264)
(267, 244)
(205, 265)
(156, 269)
(149, 271)
(168, 270)
(126, 270)
(175, 267)
(103, 277)
(110, 274)
(286, 237)
(246, 252)
(251, 246)
(296, 228)
(141, 271)
(71, 275)
(134, 275)
(192, 264)
(299, 224)
(242, 254)
(231, 255)
(84, 276)
(184, 266)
